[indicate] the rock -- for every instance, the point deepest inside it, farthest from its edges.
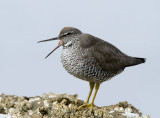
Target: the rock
(61, 106)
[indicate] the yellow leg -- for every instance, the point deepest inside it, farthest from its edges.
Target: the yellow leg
(92, 102)
(90, 92)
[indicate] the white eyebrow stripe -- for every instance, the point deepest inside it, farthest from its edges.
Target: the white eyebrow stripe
(67, 33)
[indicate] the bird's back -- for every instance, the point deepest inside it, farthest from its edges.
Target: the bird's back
(107, 55)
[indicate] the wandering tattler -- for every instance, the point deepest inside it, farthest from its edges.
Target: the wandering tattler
(91, 59)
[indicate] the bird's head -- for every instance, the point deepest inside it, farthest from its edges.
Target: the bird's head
(67, 37)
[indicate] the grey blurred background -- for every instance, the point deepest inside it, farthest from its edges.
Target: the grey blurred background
(131, 25)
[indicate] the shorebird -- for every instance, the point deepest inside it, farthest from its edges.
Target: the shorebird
(91, 59)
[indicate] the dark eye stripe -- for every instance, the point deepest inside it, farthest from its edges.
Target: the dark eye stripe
(66, 34)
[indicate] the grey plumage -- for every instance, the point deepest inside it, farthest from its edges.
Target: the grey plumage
(91, 59)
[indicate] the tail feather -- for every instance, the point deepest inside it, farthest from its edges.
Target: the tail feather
(135, 61)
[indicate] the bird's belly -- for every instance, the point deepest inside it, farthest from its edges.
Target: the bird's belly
(84, 68)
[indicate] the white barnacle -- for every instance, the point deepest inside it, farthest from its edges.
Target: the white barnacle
(128, 110)
(121, 109)
(46, 103)
(5, 116)
(116, 108)
(131, 115)
(111, 111)
(34, 99)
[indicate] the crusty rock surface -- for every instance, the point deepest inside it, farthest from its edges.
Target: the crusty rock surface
(61, 106)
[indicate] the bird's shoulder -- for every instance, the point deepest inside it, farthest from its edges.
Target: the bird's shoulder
(107, 55)
(98, 45)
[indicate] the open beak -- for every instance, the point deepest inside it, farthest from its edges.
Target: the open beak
(59, 44)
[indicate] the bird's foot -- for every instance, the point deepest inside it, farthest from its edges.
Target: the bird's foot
(86, 105)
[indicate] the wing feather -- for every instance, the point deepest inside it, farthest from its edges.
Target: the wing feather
(107, 55)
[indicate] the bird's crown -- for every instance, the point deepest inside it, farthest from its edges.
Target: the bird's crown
(66, 31)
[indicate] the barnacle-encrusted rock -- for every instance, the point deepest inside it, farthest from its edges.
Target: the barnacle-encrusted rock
(61, 106)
